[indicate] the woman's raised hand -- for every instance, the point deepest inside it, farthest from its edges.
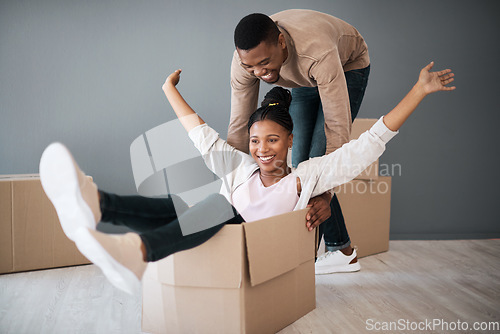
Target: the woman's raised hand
(172, 79)
(186, 115)
(435, 81)
(428, 82)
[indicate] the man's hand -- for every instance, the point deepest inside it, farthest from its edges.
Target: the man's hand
(319, 210)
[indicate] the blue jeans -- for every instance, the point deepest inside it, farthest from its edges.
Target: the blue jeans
(309, 141)
(156, 220)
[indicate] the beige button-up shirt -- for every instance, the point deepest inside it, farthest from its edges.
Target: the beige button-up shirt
(320, 49)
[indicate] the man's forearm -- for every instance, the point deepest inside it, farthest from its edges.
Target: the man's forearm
(336, 136)
(244, 97)
(335, 102)
(237, 135)
(243, 104)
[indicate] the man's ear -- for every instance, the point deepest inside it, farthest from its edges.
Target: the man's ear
(282, 41)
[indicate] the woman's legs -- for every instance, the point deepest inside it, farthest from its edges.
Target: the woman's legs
(123, 258)
(164, 223)
(73, 194)
(170, 238)
(140, 213)
(165, 226)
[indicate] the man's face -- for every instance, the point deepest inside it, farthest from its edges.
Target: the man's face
(265, 60)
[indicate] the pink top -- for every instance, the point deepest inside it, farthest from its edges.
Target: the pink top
(254, 201)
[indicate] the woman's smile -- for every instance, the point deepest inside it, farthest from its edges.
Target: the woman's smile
(267, 159)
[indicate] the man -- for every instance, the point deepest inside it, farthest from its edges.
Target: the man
(325, 61)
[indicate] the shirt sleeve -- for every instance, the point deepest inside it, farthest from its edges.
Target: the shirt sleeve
(344, 164)
(220, 157)
(329, 75)
(244, 97)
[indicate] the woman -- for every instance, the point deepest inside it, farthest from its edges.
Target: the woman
(258, 185)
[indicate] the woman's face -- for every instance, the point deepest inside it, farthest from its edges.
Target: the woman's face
(269, 143)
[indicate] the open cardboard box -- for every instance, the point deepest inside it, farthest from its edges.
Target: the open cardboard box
(366, 206)
(255, 277)
(30, 234)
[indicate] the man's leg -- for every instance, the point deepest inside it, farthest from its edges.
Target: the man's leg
(303, 109)
(357, 80)
(337, 237)
(334, 229)
(310, 141)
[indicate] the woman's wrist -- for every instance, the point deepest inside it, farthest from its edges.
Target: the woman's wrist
(419, 90)
(168, 86)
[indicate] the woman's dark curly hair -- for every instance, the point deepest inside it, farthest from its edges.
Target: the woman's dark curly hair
(274, 107)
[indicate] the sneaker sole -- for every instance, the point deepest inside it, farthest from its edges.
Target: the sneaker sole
(348, 268)
(119, 275)
(60, 182)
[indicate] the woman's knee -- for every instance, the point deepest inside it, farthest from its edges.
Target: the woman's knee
(216, 206)
(179, 204)
(216, 199)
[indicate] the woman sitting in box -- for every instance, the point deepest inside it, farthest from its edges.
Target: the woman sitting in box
(257, 186)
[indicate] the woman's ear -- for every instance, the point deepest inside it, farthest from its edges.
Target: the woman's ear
(290, 140)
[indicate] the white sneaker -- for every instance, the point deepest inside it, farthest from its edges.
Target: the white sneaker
(72, 193)
(119, 257)
(336, 262)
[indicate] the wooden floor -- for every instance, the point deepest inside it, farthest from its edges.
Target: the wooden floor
(417, 283)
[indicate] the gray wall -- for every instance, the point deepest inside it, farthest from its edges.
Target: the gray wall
(89, 74)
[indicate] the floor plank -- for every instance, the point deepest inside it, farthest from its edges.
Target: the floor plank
(414, 283)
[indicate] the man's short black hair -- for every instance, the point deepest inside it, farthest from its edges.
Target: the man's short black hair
(254, 29)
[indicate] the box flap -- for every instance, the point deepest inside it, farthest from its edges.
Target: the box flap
(359, 126)
(275, 304)
(217, 263)
(16, 177)
(6, 251)
(277, 245)
(368, 228)
(153, 310)
(38, 239)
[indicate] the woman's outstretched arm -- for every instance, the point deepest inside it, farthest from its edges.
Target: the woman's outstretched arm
(428, 82)
(188, 118)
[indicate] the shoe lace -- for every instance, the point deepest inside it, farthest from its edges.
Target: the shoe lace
(325, 255)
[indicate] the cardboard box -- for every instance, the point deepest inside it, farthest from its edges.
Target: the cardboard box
(359, 126)
(30, 234)
(257, 277)
(366, 206)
